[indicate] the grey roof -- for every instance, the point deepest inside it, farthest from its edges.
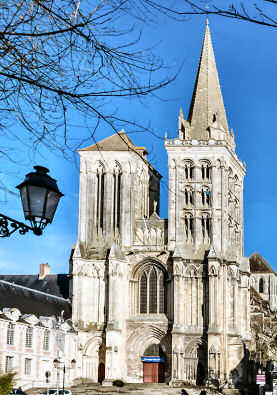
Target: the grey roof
(30, 301)
(259, 265)
(53, 284)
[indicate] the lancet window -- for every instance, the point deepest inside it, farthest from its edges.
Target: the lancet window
(189, 228)
(152, 291)
(205, 171)
(116, 196)
(261, 285)
(100, 196)
(230, 180)
(206, 196)
(206, 227)
(236, 235)
(144, 197)
(188, 196)
(230, 231)
(188, 170)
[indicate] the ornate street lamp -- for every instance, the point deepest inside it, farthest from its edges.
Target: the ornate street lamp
(40, 197)
(60, 365)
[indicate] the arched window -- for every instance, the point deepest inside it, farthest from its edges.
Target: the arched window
(188, 196)
(206, 227)
(154, 350)
(10, 334)
(261, 285)
(189, 228)
(152, 291)
(206, 196)
(143, 293)
(205, 171)
(144, 196)
(100, 196)
(188, 170)
(116, 197)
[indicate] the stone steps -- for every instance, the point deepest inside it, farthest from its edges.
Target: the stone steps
(133, 389)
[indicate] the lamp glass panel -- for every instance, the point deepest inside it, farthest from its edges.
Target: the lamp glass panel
(24, 199)
(37, 196)
(51, 204)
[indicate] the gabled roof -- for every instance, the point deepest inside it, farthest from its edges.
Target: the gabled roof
(30, 301)
(117, 142)
(207, 101)
(259, 265)
(53, 284)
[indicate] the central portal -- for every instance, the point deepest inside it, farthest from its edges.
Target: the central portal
(153, 365)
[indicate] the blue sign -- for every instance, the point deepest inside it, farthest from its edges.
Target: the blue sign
(152, 359)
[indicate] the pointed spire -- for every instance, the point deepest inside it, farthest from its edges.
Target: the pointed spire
(207, 102)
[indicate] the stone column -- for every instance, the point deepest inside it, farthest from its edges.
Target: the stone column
(235, 291)
(171, 204)
(216, 304)
(211, 301)
(108, 204)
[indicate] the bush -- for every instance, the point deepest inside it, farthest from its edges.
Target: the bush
(6, 383)
(116, 383)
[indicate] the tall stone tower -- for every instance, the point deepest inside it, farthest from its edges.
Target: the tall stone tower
(205, 228)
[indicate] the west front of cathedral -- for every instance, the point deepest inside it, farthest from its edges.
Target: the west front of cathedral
(148, 299)
(158, 300)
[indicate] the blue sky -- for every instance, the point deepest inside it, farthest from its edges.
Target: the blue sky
(246, 59)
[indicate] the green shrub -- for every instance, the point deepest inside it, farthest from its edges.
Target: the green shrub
(6, 383)
(116, 383)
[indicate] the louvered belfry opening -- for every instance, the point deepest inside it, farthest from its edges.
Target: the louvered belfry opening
(152, 291)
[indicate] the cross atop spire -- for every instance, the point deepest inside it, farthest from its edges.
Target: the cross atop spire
(207, 103)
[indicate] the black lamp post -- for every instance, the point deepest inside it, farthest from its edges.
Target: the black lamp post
(40, 196)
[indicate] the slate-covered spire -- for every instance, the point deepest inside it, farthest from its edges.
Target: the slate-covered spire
(207, 106)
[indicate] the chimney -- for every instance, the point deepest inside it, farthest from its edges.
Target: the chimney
(44, 270)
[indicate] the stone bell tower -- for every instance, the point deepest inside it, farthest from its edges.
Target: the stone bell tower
(205, 232)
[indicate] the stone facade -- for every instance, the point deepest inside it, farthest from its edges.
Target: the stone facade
(28, 347)
(178, 291)
(177, 288)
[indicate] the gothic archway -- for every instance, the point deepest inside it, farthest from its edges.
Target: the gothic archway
(196, 362)
(137, 344)
(94, 359)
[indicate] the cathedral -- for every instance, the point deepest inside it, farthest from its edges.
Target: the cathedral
(149, 299)
(165, 300)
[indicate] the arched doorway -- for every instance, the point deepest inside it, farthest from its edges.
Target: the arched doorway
(153, 364)
(94, 360)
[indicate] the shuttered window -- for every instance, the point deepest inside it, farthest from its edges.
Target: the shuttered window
(10, 334)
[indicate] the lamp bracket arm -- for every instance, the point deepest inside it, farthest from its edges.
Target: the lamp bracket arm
(9, 225)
